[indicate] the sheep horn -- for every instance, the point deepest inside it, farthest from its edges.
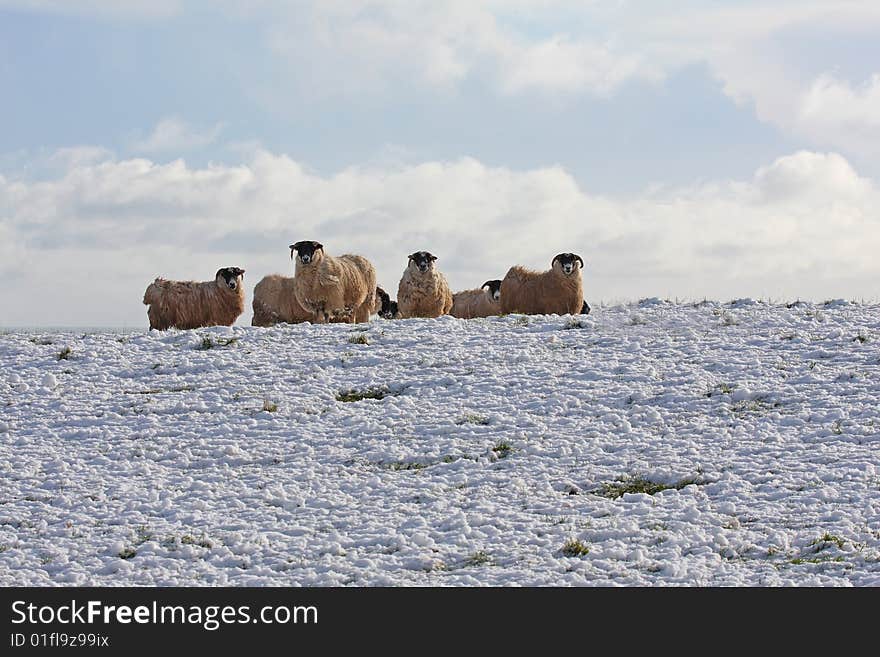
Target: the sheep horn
(486, 284)
(581, 260)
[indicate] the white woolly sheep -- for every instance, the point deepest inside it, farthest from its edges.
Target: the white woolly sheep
(275, 301)
(477, 303)
(558, 291)
(331, 288)
(191, 304)
(423, 290)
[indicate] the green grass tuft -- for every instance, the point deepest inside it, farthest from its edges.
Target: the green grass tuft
(472, 418)
(65, 353)
(639, 485)
(359, 339)
(367, 393)
(478, 558)
(127, 553)
(502, 450)
(574, 548)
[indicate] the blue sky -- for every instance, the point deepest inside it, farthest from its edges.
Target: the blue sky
(718, 149)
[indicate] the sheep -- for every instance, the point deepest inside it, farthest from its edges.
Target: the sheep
(559, 290)
(423, 290)
(275, 301)
(331, 288)
(387, 309)
(191, 304)
(477, 303)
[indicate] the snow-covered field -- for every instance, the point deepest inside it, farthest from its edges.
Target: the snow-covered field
(502, 451)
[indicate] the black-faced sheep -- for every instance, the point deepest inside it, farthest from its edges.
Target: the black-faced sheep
(558, 291)
(477, 303)
(191, 304)
(339, 288)
(275, 301)
(387, 309)
(423, 290)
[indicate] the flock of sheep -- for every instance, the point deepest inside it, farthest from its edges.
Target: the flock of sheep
(343, 288)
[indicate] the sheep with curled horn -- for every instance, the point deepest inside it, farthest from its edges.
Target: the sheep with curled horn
(557, 291)
(423, 290)
(191, 304)
(341, 288)
(477, 303)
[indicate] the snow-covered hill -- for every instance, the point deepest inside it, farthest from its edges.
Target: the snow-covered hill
(644, 444)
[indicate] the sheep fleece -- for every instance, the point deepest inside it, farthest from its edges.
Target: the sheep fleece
(474, 303)
(342, 287)
(541, 293)
(423, 295)
(275, 301)
(191, 304)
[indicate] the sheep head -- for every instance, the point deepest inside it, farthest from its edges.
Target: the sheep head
(230, 277)
(494, 290)
(422, 260)
(308, 250)
(566, 262)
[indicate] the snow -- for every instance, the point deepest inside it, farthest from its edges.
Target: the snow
(752, 431)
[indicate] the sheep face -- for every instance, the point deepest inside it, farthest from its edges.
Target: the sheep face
(422, 260)
(494, 290)
(230, 277)
(565, 263)
(307, 251)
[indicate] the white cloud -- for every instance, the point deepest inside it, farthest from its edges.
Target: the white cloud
(174, 135)
(841, 113)
(806, 225)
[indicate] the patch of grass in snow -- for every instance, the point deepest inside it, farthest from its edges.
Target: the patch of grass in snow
(64, 354)
(574, 548)
(378, 392)
(478, 558)
(406, 465)
(156, 391)
(623, 486)
(574, 323)
(502, 450)
(208, 342)
(720, 389)
(797, 561)
(203, 541)
(127, 553)
(472, 418)
(826, 540)
(3, 547)
(269, 406)
(359, 339)
(521, 321)
(861, 338)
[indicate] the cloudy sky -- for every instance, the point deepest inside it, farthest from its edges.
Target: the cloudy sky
(693, 149)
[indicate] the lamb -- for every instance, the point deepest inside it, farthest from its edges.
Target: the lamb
(387, 309)
(275, 301)
(559, 290)
(477, 303)
(331, 288)
(423, 290)
(191, 304)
